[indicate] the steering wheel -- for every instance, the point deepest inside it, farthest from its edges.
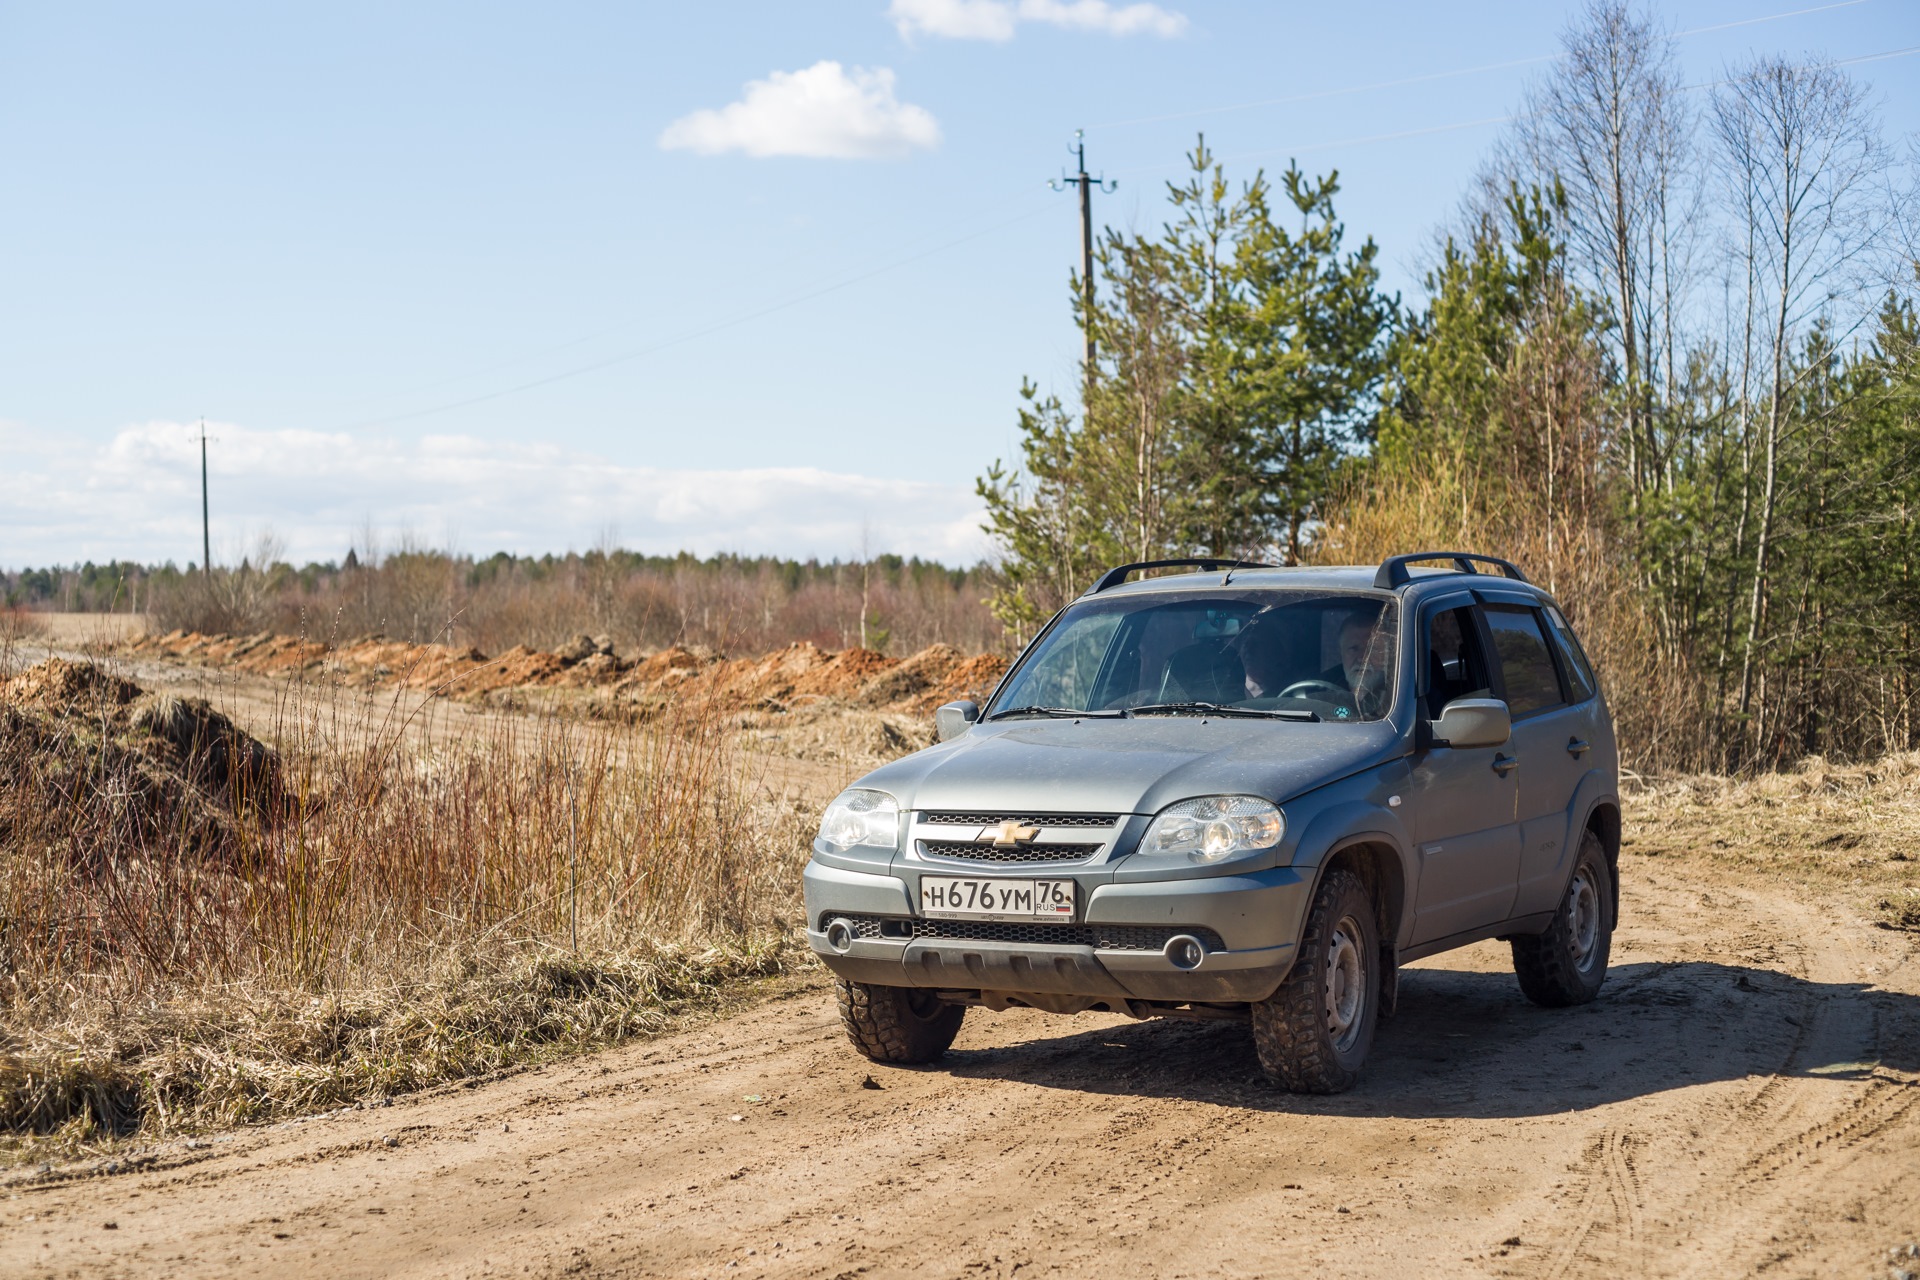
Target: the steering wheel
(1312, 688)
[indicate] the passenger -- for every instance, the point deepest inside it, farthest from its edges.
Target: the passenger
(1261, 656)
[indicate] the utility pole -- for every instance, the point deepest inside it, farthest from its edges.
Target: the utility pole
(206, 522)
(1086, 183)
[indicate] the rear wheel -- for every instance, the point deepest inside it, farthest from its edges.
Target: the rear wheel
(898, 1024)
(1566, 964)
(1313, 1034)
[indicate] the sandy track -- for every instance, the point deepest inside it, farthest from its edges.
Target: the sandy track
(1743, 1099)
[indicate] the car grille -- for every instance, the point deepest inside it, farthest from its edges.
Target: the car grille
(1106, 937)
(973, 852)
(950, 819)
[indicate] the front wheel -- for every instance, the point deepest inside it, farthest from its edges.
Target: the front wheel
(1566, 964)
(1313, 1034)
(898, 1024)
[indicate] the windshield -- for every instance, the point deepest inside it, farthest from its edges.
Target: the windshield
(1302, 654)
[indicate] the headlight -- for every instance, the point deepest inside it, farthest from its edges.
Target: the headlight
(870, 818)
(1213, 827)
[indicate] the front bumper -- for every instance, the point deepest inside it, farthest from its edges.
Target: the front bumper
(1249, 922)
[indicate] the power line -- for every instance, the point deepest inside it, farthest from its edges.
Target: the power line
(1489, 120)
(1329, 93)
(690, 335)
(535, 353)
(1429, 77)
(1345, 142)
(1771, 17)
(1877, 57)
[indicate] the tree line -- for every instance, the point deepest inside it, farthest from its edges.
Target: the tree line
(1664, 357)
(638, 602)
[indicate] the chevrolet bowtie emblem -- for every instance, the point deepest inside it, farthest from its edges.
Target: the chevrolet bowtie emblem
(1007, 835)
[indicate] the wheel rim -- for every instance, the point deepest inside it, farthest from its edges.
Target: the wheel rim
(1583, 920)
(1346, 995)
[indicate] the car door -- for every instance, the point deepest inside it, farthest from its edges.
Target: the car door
(1463, 800)
(1552, 734)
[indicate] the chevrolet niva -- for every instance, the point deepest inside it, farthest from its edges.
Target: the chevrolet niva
(1244, 792)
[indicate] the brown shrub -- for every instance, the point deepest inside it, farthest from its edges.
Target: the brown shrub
(1660, 705)
(159, 857)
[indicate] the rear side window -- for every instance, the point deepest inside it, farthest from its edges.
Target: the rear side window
(1573, 657)
(1526, 664)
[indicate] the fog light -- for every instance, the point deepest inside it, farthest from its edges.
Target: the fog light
(1186, 951)
(840, 936)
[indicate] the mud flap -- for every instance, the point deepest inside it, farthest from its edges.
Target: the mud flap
(1389, 982)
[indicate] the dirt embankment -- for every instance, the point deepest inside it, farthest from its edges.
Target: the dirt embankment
(92, 763)
(798, 676)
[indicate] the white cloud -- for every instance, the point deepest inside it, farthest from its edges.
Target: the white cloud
(954, 19)
(996, 19)
(822, 111)
(138, 497)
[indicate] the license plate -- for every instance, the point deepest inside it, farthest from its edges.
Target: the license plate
(954, 898)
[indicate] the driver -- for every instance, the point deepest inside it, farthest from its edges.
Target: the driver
(1361, 671)
(1363, 663)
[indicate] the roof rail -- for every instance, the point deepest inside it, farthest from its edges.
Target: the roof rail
(1393, 570)
(1114, 577)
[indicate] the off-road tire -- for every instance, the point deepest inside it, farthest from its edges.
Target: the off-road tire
(898, 1024)
(1294, 1029)
(1554, 969)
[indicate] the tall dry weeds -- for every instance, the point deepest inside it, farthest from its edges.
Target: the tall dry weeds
(388, 906)
(1659, 705)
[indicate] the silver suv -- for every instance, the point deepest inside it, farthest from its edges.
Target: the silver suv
(1242, 793)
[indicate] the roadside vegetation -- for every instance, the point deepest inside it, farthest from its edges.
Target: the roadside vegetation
(200, 928)
(1852, 829)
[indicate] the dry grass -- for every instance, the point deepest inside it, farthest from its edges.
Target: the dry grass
(97, 1070)
(1856, 827)
(198, 929)
(17, 625)
(1657, 703)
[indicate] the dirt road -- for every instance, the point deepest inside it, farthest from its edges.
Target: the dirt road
(1743, 1099)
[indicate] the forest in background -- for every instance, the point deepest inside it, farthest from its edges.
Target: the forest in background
(1665, 360)
(414, 592)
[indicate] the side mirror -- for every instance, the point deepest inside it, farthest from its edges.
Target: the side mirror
(1473, 722)
(955, 718)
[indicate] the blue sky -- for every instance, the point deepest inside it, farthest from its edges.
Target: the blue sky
(351, 235)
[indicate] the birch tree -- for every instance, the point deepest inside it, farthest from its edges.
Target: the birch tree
(1611, 125)
(1800, 151)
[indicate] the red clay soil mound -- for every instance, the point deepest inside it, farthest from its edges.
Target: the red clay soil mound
(798, 675)
(973, 678)
(938, 673)
(671, 665)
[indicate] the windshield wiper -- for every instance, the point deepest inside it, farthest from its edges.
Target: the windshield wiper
(1222, 709)
(1053, 711)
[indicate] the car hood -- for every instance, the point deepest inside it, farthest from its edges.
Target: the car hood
(1131, 766)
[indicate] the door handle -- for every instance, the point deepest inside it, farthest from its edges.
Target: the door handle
(1504, 765)
(1577, 747)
